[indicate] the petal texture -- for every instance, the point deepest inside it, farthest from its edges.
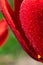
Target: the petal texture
(24, 21)
(31, 16)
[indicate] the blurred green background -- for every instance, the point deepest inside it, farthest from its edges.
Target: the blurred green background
(11, 46)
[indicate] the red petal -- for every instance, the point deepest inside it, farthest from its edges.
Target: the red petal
(17, 6)
(31, 16)
(15, 14)
(16, 27)
(9, 8)
(18, 33)
(3, 32)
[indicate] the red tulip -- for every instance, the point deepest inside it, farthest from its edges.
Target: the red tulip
(3, 32)
(26, 22)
